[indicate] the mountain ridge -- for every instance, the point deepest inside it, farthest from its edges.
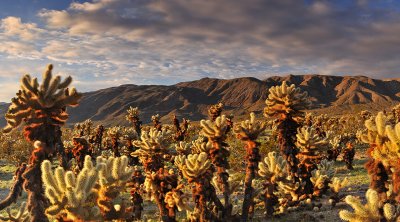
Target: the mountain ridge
(240, 96)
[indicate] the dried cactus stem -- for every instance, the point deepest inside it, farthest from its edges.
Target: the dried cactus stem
(253, 158)
(270, 199)
(219, 159)
(37, 202)
(287, 128)
(16, 188)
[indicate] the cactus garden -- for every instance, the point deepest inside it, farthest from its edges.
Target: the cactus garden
(286, 163)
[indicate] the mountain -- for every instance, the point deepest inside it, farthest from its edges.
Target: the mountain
(240, 96)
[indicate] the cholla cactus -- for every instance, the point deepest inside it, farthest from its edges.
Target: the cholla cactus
(216, 134)
(197, 169)
(309, 143)
(21, 216)
(43, 109)
(290, 188)
(376, 137)
(113, 177)
(41, 103)
(87, 127)
(370, 211)
(396, 112)
(69, 195)
(195, 165)
(183, 148)
(152, 142)
(214, 131)
(308, 139)
(200, 145)
(133, 117)
(320, 182)
(177, 199)
(272, 169)
(152, 153)
(286, 103)
(336, 185)
(215, 111)
(156, 122)
(114, 133)
(248, 131)
(335, 150)
(286, 100)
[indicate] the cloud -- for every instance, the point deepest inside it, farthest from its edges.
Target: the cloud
(109, 42)
(12, 26)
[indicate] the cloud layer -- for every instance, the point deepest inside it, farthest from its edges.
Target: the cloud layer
(105, 43)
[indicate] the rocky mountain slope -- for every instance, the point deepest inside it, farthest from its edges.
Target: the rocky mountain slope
(240, 96)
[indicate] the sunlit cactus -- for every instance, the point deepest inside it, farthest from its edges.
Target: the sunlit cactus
(286, 100)
(114, 133)
(133, 117)
(286, 103)
(272, 169)
(396, 112)
(310, 145)
(113, 177)
(368, 212)
(197, 169)
(41, 104)
(156, 122)
(199, 145)
(215, 111)
(70, 195)
(219, 153)
(177, 199)
(337, 184)
(248, 131)
(183, 148)
(21, 216)
(335, 148)
(290, 189)
(195, 165)
(43, 109)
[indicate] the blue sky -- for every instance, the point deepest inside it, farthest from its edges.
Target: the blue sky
(104, 43)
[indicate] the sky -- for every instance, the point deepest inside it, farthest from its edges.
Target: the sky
(105, 43)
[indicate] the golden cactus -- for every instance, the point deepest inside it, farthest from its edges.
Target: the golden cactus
(286, 100)
(290, 188)
(195, 166)
(327, 168)
(308, 139)
(70, 195)
(112, 180)
(337, 184)
(376, 130)
(133, 112)
(151, 142)
(178, 199)
(249, 129)
(214, 131)
(21, 216)
(41, 103)
(273, 166)
(200, 145)
(183, 148)
(368, 212)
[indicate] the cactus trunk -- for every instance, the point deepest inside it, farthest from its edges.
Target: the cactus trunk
(252, 157)
(287, 129)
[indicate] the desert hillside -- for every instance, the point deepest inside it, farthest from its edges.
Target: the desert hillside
(240, 95)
